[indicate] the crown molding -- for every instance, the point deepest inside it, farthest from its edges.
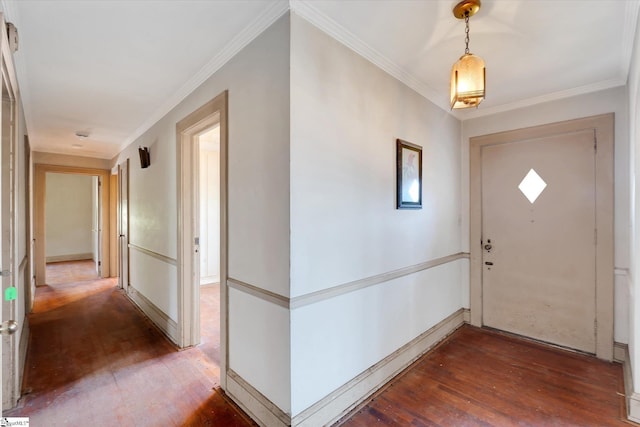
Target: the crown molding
(10, 11)
(307, 11)
(468, 114)
(270, 15)
(628, 36)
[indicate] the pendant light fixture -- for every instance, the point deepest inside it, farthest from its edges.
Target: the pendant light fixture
(468, 74)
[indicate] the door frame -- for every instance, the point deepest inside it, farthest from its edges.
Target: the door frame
(187, 132)
(11, 268)
(123, 247)
(603, 126)
(41, 171)
(113, 225)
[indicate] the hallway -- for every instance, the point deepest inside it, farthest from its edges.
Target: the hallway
(94, 359)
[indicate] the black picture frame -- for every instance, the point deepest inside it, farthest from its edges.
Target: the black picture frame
(408, 175)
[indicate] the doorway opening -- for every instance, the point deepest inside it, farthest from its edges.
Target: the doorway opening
(51, 178)
(208, 200)
(72, 221)
(202, 232)
(123, 225)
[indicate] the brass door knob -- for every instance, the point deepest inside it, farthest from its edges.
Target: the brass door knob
(8, 327)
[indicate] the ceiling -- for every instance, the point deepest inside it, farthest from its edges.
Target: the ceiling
(113, 68)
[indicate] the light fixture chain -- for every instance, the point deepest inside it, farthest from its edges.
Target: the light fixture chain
(466, 30)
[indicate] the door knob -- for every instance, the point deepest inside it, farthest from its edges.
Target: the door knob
(487, 247)
(8, 327)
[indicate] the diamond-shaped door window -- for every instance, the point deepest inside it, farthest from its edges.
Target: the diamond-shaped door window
(532, 186)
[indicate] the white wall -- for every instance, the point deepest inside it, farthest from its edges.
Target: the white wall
(633, 86)
(606, 101)
(68, 215)
(257, 79)
(209, 216)
(345, 117)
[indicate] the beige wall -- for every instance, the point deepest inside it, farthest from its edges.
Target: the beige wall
(257, 79)
(73, 161)
(633, 93)
(69, 216)
(346, 114)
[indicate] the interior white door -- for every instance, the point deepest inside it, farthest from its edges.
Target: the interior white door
(123, 224)
(5, 361)
(539, 250)
(9, 348)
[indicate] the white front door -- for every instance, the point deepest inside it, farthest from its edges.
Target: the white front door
(538, 237)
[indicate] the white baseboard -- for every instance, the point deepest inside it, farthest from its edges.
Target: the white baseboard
(70, 257)
(632, 398)
(23, 347)
(167, 325)
(358, 390)
(619, 350)
(254, 403)
(341, 401)
(209, 280)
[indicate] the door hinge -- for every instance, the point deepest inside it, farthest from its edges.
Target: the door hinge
(99, 263)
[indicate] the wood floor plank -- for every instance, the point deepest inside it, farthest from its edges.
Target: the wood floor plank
(480, 377)
(95, 360)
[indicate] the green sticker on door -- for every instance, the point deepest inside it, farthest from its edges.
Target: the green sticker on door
(10, 293)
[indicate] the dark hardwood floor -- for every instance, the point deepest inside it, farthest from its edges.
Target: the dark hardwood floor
(484, 378)
(95, 360)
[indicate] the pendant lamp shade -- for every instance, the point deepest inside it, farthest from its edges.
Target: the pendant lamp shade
(468, 74)
(467, 81)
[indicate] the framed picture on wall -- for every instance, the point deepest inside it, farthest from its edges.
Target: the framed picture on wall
(409, 175)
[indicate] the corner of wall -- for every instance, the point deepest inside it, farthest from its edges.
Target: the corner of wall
(632, 398)
(40, 157)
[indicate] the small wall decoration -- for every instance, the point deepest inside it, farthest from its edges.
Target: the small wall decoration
(409, 175)
(145, 157)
